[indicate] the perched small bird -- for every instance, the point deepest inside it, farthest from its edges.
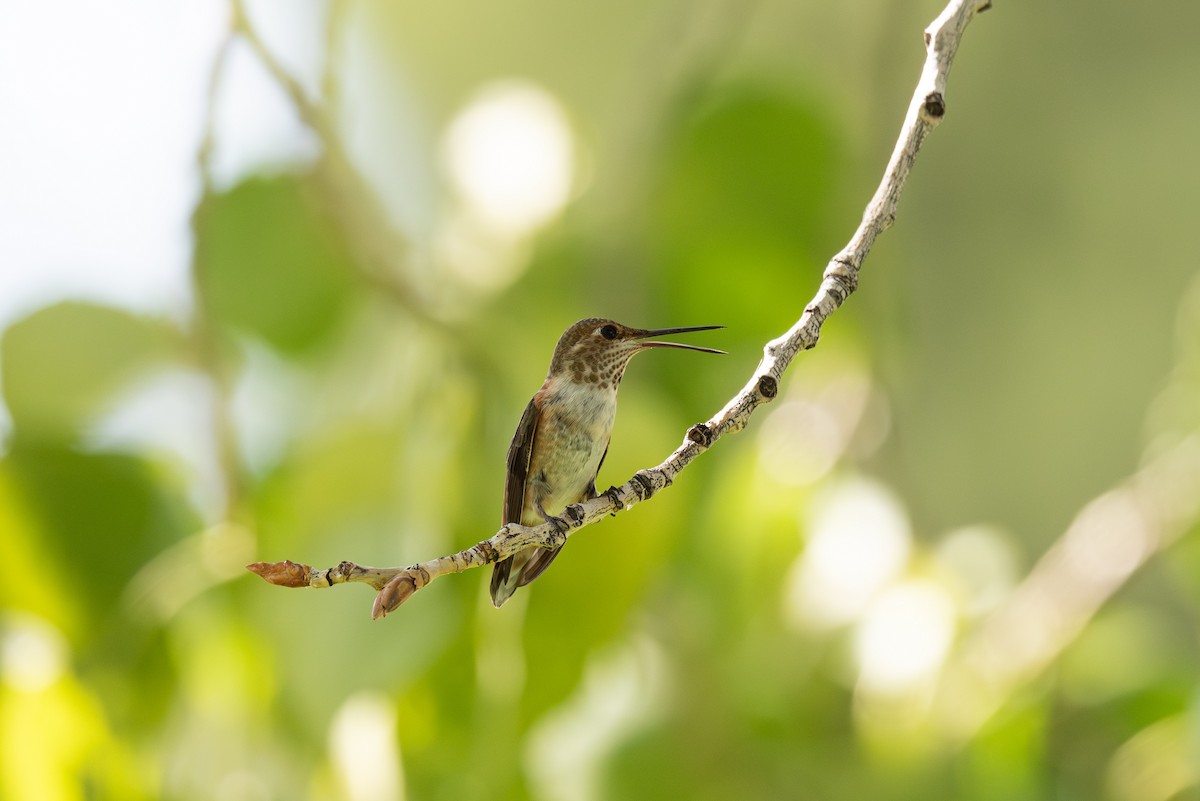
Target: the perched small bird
(562, 438)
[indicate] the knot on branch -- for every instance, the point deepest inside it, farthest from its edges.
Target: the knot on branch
(643, 484)
(768, 387)
(344, 572)
(700, 434)
(934, 107)
(842, 274)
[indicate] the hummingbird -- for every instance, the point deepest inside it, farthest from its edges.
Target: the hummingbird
(563, 435)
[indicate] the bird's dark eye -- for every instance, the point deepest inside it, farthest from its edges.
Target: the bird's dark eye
(609, 332)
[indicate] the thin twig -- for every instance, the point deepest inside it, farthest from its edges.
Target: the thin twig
(840, 279)
(203, 337)
(381, 253)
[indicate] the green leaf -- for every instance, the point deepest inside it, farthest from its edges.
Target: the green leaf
(744, 201)
(98, 517)
(270, 265)
(62, 364)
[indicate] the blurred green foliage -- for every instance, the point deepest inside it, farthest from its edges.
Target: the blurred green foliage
(252, 234)
(1011, 354)
(63, 364)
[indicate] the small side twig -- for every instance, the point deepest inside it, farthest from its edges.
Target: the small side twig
(926, 110)
(291, 574)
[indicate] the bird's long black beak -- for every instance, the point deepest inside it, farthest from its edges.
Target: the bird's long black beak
(659, 332)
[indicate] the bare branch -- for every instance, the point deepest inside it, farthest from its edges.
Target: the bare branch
(840, 279)
(291, 574)
(1108, 541)
(203, 339)
(381, 253)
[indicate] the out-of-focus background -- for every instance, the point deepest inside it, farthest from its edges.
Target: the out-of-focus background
(277, 282)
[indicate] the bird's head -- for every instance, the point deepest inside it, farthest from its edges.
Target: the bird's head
(597, 350)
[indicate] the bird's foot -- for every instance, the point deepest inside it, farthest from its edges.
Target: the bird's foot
(561, 527)
(614, 495)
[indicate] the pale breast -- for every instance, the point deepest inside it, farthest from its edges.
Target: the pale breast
(573, 430)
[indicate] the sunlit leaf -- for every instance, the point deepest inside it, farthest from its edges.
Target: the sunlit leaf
(270, 264)
(101, 517)
(62, 364)
(742, 203)
(22, 542)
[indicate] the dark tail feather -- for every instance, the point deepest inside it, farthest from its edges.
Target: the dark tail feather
(503, 586)
(537, 564)
(506, 580)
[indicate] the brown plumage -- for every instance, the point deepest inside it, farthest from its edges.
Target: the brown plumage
(563, 435)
